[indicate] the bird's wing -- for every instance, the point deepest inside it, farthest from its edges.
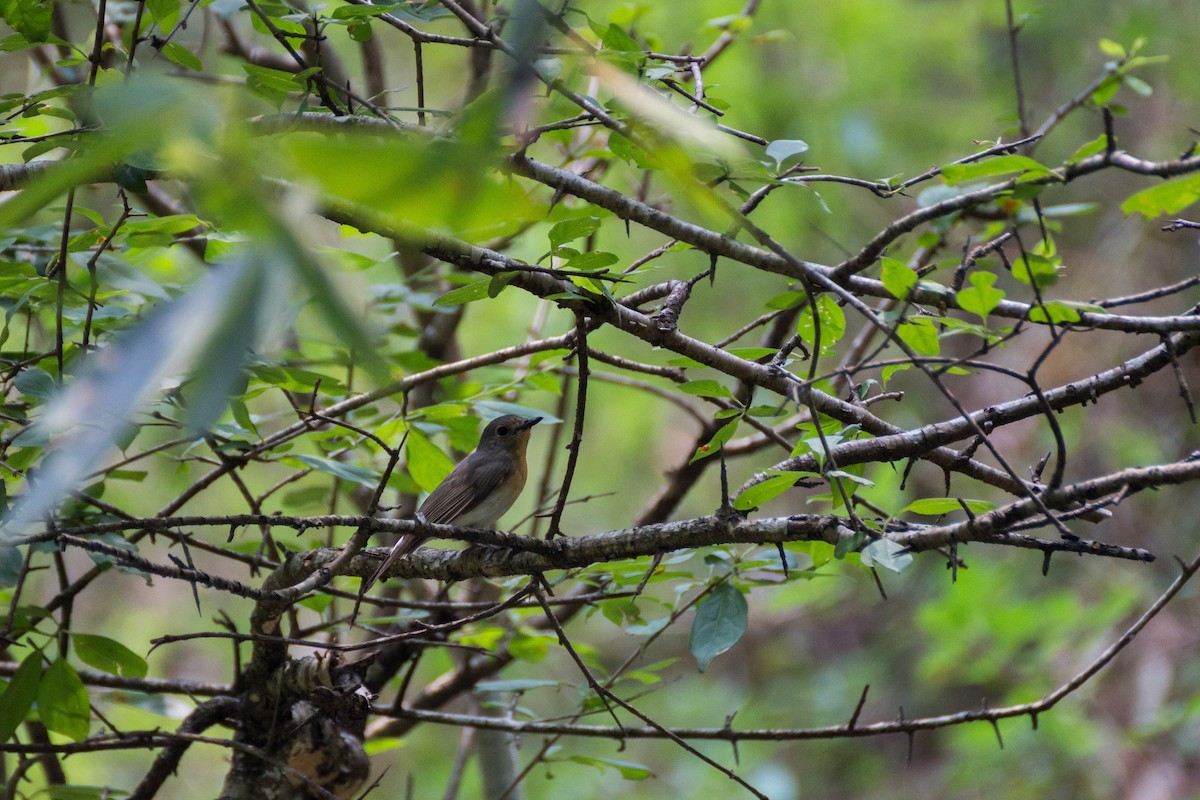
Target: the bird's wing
(460, 493)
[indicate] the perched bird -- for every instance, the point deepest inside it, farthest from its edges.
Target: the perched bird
(479, 490)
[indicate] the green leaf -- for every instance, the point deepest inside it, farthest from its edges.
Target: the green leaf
(347, 472)
(614, 38)
(109, 655)
(980, 298)
(80, 792)
(35, 383)
(723, 435)
(832, 319)
(1039, 270)
(515, 685)
(164, 12)
(898, 278)
(17, 698)
(1139, 86)
(1055, 312)
(1165, 198)
(786, 300)
(476, 290)
(887, 554)
(1089, 149)
(921, 335)
(936, 506)
(705, 388)
(591, 261)
(1003, 165)
(427, 464)
(30, 18)
(769, 489)
(628, 769)
(571, 229)
(783, 149)
(63, 702)
(1111, 48)
(178, 54)
(1106, 90)
(720, 621)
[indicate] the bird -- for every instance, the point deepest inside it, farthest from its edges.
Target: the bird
(478, 491)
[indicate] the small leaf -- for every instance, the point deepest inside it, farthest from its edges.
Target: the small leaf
(591, 261)
(427, 464)
(629, 770)
(35, 383)
(180, 55)
(63, 702)
(782, 149)
(1138, 85)
(786, 300)
(496, 285)
(476, 290)
(921, 335)
(347, 472)
(515, 685)
(768, 490)
(705, 388)
(832, 319)
(1054, 312)
(1003, 165)
(109, 655)
(1039, 270)
(980, 298)
(1089, 149)
(1165, 198)
(936, 506)
(18, 696)
(887, 554)
(720, 621)
(898, 278)
(723, 435)
(571, 229)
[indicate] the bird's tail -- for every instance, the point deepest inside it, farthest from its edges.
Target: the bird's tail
(407, 544)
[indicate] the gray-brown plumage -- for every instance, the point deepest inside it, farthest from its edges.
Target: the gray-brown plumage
(479, 490)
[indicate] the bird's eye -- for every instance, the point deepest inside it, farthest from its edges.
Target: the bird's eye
(502, 431)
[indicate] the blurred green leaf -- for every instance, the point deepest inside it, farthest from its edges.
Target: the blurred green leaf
(109, 655)
(476, 290)
(628, 769)
(987, 168)
(19, 695)
(705, 388)
(63, 702)
(427, 464)
(887, 554)
(339, 469)
(783, 149)
(1169, 197)
(936, 506)
(898, 278)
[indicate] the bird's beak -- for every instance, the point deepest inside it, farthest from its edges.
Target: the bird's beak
(529, 423)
